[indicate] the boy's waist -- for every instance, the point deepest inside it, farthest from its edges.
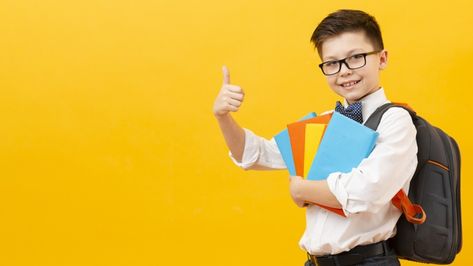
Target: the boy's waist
(353, 256)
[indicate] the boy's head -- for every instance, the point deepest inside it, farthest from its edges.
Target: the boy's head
(343, 21)
(354, 36)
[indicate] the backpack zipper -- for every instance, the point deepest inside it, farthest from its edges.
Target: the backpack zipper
(438, 164)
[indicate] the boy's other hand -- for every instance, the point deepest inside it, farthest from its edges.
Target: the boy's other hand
(230, 97)
(295, 183)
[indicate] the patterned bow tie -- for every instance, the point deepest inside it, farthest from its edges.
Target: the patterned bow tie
(353, 111)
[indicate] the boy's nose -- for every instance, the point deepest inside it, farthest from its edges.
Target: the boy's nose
(344, 70)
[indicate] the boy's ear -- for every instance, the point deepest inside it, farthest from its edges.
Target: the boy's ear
(383, 59)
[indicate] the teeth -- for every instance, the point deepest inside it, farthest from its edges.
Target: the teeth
(349, 84)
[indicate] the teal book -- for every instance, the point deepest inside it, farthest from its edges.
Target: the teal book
(284, 146)
(344, 145)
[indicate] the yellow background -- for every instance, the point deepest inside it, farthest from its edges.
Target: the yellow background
(109, 152)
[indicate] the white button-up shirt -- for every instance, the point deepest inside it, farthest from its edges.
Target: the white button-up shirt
(365, 193)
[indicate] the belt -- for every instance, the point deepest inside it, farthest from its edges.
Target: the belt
(353, 256)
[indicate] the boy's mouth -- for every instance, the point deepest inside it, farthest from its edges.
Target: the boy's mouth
(350, 83)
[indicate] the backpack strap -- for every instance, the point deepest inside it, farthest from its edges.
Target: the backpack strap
(413, 212)
(375, 118)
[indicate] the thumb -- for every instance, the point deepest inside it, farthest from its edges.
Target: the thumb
(226, 75)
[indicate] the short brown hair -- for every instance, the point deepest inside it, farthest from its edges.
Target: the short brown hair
(346, 20)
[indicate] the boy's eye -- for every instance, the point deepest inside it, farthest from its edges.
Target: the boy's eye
(331, 63)
(357, 56)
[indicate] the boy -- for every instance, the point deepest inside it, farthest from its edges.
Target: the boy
(351, 49)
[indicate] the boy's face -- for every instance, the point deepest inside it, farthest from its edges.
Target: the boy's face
(353, 84)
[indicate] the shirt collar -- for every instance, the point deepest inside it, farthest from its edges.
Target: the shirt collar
(371, 102)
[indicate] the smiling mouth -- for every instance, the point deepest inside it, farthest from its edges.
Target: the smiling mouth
(350, 84)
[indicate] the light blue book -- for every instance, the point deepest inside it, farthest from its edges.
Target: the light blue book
(344, 145)
(284, 146)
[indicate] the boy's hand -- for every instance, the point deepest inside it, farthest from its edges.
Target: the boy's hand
(229, 98)
(295, 183)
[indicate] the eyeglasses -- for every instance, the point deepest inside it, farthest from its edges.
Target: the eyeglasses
(352, 62)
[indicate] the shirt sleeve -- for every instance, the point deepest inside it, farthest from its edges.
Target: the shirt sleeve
(388, 168)
(259, 153)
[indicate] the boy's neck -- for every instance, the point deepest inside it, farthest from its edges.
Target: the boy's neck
(364, 96)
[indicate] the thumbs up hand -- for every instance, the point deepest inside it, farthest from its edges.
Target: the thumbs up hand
(230, 97)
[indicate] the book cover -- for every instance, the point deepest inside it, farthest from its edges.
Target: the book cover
(313, 136)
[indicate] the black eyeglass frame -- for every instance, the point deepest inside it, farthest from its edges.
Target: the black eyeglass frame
(343, 61)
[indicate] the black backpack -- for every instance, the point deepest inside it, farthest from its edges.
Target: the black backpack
(436, 187)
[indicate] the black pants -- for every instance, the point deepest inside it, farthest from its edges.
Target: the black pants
(389, 259)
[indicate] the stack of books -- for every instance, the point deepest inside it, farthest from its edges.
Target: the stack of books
(317, 146)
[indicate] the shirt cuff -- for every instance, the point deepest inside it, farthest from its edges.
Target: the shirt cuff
(250, 151)
(336, 186)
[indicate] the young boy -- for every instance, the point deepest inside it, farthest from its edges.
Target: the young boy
(351, 49)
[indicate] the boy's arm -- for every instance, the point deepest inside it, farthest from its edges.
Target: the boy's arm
(372, 184)
(247, 150)
(233, 134)
(312, 191)
(389, 167)
(229, 100)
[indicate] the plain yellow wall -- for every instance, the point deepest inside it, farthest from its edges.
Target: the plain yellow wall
(109, 152)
